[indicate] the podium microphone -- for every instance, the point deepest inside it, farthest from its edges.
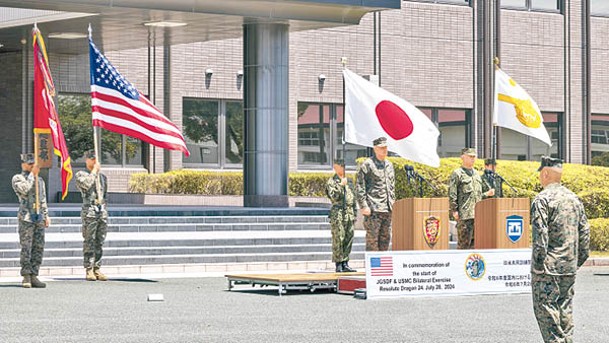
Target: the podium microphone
(409, 170)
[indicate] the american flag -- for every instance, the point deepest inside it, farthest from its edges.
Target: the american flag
(381, 266)
(119, 107)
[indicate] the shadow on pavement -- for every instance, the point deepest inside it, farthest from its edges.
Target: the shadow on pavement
(273, 291)
(133, 280)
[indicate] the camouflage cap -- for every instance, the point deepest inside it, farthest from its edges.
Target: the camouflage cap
(339, 161)
(90, 154)
(551, 162)
(490, 162)
(380, 142)
(468, 151)
(28, 158)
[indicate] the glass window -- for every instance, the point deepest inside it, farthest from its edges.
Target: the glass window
(352, 151)
(111, 148)
(514, 3)
(454, 129)
(516, 146)
(551, 122)
(600, 139)
(234, 132)
(214, 133)
(533, 5)
(313, 134)
(200, 127)
(456, 2)
(75, 116)
(453, 124)
(551, 5)
(599, 7)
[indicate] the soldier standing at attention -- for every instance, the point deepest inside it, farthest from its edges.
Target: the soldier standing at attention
(375, 196)
(492, 180)
(94, 215)
(31, 223)
(339, 190)
(465, 190)
(561, 240)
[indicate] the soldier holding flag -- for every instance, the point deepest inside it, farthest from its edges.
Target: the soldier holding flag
(93, 187)
(33, 218)
(339, 190)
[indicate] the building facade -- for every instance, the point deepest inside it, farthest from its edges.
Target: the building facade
(435, 54)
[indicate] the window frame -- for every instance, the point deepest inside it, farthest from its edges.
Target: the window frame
(528, 7)
(123, 165)
(222, 139)
(467, 3)
(598, 14)
(560, 144)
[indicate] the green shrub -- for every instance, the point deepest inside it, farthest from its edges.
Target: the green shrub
(591, 183)
(188, 182)
(599, 234)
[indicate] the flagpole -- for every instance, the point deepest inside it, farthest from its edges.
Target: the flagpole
(495, 128)
(36, 183)
(36, 142)
(96, 145)
(343, 61)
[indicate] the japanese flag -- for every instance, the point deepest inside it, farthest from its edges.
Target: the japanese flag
(516, 110)
(372, 112)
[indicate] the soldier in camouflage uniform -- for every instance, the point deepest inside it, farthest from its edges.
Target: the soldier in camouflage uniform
(465, 190)
(492, 179)
(561, 239)
(31, 224)
(339, 190)
(94, 215)
(376, 195)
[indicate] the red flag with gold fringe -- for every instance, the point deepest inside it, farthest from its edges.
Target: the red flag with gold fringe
(46, 119)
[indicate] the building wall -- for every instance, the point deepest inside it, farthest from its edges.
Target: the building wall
(600, 64)
(10, 112)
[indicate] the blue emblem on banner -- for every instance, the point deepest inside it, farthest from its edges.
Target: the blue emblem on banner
(475, 267)
(514, 228)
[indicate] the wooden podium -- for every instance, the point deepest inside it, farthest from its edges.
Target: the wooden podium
(502, 223)
(420, 224)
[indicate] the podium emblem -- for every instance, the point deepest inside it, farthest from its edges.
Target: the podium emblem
(475, 267)
(514, 228)
(431, 230)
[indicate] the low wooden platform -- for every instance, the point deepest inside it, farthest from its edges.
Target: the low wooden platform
(285, 282)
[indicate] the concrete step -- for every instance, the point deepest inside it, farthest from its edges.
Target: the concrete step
(188, 259)
(61, 228)
(156, 271)
(185, 250)
(246, 236)
(12, 221)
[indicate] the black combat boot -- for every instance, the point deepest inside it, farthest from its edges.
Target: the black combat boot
(27, 281)
(347, 269)
(37, 283)
(339, 267)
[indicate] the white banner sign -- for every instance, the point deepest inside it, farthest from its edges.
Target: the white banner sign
(447, 272)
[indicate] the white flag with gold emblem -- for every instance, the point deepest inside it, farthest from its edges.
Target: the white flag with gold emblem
(515, 109)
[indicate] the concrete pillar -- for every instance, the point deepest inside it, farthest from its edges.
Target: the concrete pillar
(266, 113)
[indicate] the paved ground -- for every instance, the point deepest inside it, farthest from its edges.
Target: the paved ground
(201, 310)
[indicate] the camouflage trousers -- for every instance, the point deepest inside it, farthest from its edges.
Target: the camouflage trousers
(553, 306)
(465, 232)
(342, 234)
(31, 239)
(378, 231)
(94, 231)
